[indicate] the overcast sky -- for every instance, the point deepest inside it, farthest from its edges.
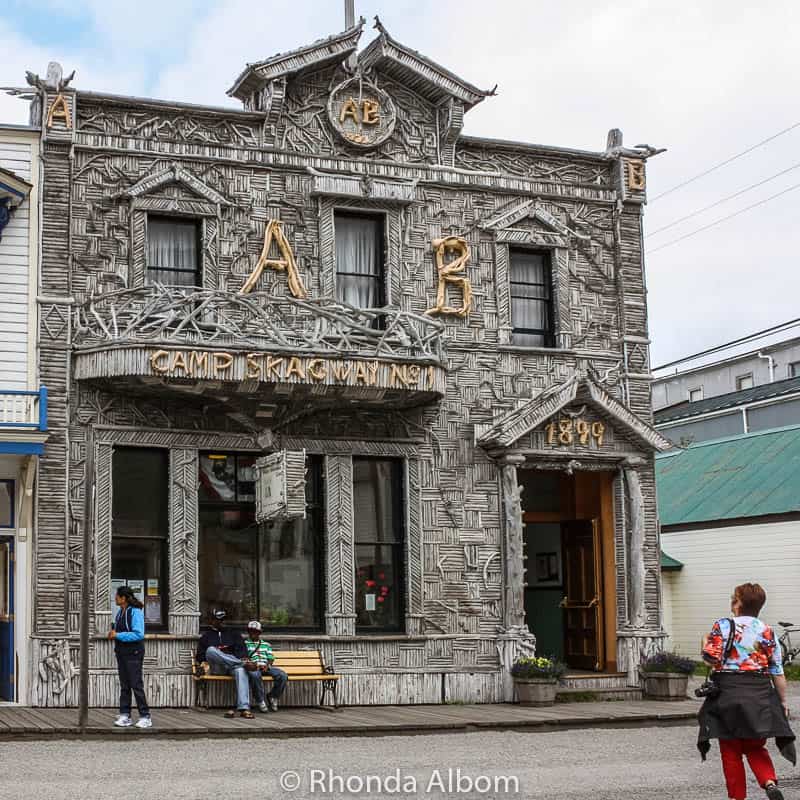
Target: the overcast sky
(705, 80)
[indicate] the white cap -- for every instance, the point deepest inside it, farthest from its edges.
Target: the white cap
(254, 625)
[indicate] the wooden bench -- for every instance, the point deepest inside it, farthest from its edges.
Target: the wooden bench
(299, 665)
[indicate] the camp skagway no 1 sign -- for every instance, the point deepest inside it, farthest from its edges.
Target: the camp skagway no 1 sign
(361, 113)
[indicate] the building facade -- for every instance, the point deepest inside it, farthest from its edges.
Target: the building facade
(23, 402)
(727, 370)
(730, 514)
(319, 348)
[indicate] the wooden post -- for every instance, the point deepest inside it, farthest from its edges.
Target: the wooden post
(637, 611)
(86, 572)
(514, 611)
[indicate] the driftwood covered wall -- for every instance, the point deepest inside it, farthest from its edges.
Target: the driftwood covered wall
(116, 159)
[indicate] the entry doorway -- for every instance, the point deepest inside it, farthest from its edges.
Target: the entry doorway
(570, 596)
(7, 651)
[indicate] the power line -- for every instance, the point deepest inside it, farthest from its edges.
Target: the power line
(722, 219)
(726, 161)
(723, 200)
(743, 340)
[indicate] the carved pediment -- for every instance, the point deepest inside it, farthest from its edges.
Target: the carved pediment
(175, 176)
(527, 221)
(577, 412)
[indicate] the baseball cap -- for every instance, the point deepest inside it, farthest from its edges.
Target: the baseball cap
(254, 625)
(219, 613)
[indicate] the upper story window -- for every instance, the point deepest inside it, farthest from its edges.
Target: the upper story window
(532, 299)
(695, 394)
(744, 382)
(173, 251)
(360, 265)
(794, 369)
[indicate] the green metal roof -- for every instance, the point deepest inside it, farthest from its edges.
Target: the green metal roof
(670, 564)
(749, 475)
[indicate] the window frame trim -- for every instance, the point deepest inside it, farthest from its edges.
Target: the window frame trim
(11, 482)
(392, 243)
(197, 223)
(548, 335)
(399, 545)
(166, 543)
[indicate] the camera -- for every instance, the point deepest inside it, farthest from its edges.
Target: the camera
(708, 689)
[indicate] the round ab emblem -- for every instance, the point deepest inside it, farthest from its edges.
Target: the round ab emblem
(361, 113)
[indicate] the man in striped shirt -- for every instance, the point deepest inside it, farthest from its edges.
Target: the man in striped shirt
(260, 652)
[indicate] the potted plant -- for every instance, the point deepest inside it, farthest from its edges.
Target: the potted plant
(665, 676)
(536, 679)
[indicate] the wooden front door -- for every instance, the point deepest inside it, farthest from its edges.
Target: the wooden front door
(583, 601)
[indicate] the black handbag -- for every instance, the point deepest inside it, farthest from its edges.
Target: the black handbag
(709, 687)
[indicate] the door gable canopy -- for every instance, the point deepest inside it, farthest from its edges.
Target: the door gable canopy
(583, 387)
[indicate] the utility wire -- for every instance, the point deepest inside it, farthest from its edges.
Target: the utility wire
(743, 340)
(726, 161)
(723, 200)
(723, 219)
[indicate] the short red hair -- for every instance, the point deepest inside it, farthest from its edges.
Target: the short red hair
(751, 598)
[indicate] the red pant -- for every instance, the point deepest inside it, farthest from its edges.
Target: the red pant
(732, 751)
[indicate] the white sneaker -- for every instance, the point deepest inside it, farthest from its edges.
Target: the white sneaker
(145, 722)
(273, 703)
(263, 708)
(123, 721)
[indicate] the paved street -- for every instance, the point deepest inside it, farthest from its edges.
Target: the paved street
(596, 764)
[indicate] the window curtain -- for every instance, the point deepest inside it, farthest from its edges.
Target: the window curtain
(172, 252)
(358, 265)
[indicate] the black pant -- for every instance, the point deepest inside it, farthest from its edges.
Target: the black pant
(129, 665)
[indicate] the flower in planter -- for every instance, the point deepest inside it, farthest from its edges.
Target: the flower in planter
(369, 584)
(666, 661)
(538, 667)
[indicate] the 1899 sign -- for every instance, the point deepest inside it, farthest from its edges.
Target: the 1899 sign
(569, 430)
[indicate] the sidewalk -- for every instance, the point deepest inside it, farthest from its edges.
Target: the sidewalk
(18, 722)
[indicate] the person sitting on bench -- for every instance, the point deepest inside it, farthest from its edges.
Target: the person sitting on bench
(226, 654)
(260, 652)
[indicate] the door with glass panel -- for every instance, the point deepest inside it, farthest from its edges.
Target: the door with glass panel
(7, 655)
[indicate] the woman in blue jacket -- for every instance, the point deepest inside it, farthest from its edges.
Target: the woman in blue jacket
(128, 635)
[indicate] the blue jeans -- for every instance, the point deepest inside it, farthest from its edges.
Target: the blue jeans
(279, 681)
(225, 664)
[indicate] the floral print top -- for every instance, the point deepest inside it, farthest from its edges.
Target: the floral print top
(754, 649)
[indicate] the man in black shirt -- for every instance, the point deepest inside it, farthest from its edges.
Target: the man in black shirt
(225, 652)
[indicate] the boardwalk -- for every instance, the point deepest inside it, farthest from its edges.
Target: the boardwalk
(17, 722)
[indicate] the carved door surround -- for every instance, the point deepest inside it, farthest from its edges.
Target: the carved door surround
(519, 438)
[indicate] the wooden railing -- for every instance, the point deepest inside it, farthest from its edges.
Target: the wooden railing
(209, 318)
(24, 409)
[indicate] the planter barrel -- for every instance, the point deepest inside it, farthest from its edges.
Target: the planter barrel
(536, 691)
(664, 685)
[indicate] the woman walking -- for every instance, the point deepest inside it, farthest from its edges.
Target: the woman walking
(746, 703)
(128, 635)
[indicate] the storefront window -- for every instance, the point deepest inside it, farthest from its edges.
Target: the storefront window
(270, 572)
(140, 528)
(378, 513)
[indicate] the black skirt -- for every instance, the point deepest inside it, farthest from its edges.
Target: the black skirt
(747, 707)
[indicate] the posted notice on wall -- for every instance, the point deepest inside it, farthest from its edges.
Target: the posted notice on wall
(369, 602)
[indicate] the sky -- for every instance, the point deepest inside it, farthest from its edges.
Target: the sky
(706, 80)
